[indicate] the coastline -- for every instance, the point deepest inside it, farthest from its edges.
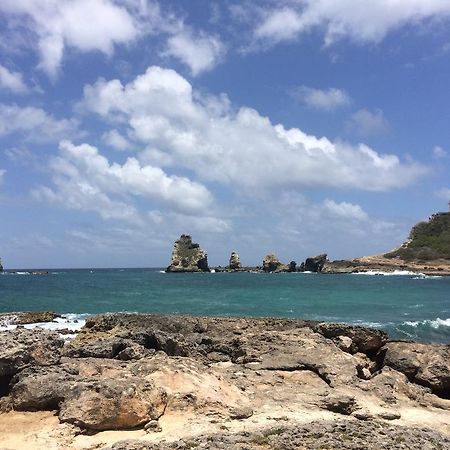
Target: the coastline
(126, 376)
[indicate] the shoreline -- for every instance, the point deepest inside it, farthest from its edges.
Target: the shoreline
(158, 377)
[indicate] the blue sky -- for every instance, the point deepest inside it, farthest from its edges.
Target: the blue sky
(292, 126)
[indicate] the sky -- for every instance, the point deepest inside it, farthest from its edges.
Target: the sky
(293, 127)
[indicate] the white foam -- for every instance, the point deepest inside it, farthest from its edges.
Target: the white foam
(390, 274)
(436, 323)
(72, 322)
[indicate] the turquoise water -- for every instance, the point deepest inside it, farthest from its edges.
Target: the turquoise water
(407, 307)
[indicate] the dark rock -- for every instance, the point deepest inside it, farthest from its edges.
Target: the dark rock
(188, 256)
(292, 266)
(315, 263)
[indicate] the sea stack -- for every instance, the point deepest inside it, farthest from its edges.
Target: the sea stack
(1, 267)
(187, 256)
(315, 263)
(235, 262)
(272, 264)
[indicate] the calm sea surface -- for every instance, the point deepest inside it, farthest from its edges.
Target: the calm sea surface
(407, 306)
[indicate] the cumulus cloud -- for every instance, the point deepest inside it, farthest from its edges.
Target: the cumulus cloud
(84, 25)
(367, 123)
(34, 124)
(115, 140)
(439, 152)
(86, 180)
(361, 22)
(345, 210)
(237, 147)
(11, 81)
(200, 52)
(321, 99)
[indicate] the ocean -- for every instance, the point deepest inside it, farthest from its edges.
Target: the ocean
(407, 306)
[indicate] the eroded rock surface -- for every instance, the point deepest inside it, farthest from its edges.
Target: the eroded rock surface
(187, 256)
(315, 263)
(235, 262)
(134, 370)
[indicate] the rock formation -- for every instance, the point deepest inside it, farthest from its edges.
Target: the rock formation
(183, 375)
(1, 267)
(235, 262)
(315, 263)
(187, 256)
(272, 264)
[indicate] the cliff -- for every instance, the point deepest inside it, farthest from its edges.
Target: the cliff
(187, 256)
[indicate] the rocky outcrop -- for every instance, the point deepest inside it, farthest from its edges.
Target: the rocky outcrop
(315, 263)
(187, 256)
(1, 267)
(425, 364)
(152, 371)
(235, 262)
(25, 317)
(272, 264)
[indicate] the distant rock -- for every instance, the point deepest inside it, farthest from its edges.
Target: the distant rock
(25, 317)
(292, 266)
(315, 263)
(187, 256)
(272, 264)
(1, 267)
(235, 262)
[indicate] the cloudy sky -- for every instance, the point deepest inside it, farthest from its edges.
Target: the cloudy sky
(290, 126)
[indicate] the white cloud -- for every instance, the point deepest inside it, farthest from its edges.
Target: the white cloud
(12, 81)
(322, 99)
(86, 180)
(239, 148)
(115, 140)
(200, 52)
(362, 22)
(345, 210)
(367, 123)
(84, 25)
(439, 152)
(34, 124)
(2, 173)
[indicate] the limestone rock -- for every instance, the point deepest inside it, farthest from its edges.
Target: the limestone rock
(21, 347)
(315, 263)
(272, 264)
(113, 404)
(235, 262)
(187, 256)
(25, 317)
(364, 339)
(342, 404)
(425, 364)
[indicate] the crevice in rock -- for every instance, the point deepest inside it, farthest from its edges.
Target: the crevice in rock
(5, 381)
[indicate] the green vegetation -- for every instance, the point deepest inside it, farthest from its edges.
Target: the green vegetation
(427, 240)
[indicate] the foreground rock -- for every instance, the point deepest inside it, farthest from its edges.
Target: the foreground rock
(187, 256)
(23, 318)
(206, 374)
(316, 435)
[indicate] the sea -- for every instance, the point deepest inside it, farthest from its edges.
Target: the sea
(406, 305)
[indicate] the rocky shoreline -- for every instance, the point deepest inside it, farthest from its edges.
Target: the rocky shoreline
(179, 382)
